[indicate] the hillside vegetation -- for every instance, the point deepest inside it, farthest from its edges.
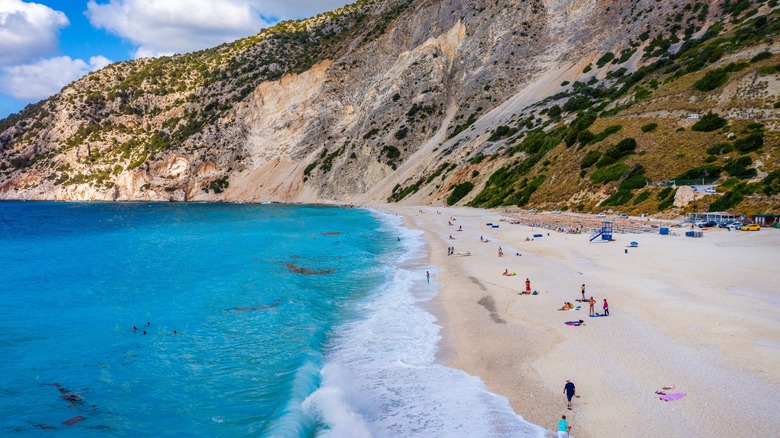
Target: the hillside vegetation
(494, 103)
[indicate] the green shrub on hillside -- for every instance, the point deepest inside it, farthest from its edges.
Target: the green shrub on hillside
(727, 201)
(739, 168)
(584, 137)
(590, 158)
(712, 80)
(502, 131)
(605, 58)
(609, 130)
(771, 183)
(308, 169)
(720, 148)
(709, 122)
(576, 103)
(752, 142)
(401, 133)
(645, 194)
(760, 56)
(642, 93)
(664, 193)
(733, 67)
(665, 204)
(707, 171)
(615, 152)
(581, 123)
(609, 173)
(459, 192)
(217, 185)
(634, 179)
(618, 198)
(650, 127)
(392, 152)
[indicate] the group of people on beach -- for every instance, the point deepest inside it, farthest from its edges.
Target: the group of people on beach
(592, 304)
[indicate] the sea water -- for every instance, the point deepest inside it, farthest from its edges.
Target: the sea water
(225, 320)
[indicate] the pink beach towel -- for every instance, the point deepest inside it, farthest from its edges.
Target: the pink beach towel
(672, 396)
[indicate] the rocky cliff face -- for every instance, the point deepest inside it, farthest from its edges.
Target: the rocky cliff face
(354, 106)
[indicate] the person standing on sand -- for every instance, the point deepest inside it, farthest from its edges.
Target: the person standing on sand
(563, 427)
(428, 278)
(592, 303)
(527, 286)
(606, 307)
(569, 390)
(500, 251)
(583, 292)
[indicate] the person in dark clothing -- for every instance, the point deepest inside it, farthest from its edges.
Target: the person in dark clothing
(569, 390)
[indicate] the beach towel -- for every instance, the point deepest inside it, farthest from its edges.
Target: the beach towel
(597, 315)
(574, 323)
(672, 396)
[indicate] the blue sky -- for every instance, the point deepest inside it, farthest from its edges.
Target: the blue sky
(46, 44)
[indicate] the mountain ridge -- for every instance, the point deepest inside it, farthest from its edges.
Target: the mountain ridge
(422, 99)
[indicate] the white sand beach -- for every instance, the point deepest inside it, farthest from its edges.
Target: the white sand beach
(700, 314)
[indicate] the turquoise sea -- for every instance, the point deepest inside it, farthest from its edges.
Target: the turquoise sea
(223, 320)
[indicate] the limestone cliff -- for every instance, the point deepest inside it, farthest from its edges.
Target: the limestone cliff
(396, 99)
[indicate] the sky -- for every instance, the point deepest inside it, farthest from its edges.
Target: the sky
(47, 44)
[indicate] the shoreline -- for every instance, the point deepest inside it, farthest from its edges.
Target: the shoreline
(685, 312)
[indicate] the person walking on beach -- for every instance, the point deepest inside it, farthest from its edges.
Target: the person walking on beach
(583, 292)
(606, 307)
(592, 303)
(563, 427)
(527, 286)
(500, 251)
(569, 390)
(428, 278)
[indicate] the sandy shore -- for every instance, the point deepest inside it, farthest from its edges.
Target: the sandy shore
(700, 314)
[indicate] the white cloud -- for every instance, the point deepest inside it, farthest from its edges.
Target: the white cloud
(42, 79)
(28, 31)
(165, 27)
(293, 9)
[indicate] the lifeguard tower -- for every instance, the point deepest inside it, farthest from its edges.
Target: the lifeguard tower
(605, 233)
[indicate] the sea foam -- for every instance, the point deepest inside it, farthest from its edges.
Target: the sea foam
(381, 377)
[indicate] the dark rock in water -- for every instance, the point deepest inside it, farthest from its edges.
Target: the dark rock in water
(74, 420)
(274, 304)
(71, 397)
(99, 427)
(45, 427)
(307, 271)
